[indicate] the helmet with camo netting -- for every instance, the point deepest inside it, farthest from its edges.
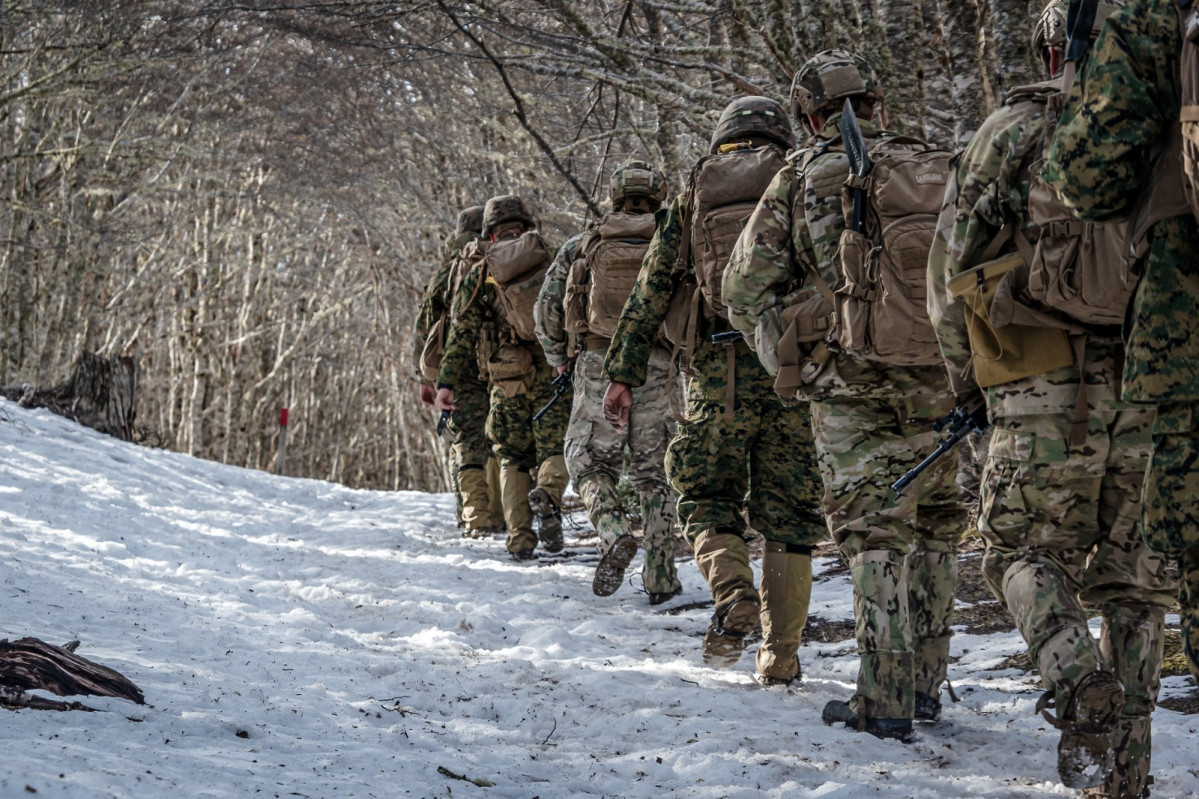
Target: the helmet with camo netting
(1051, 28)
(830, 76)
(636, 178)
(753, 116)
(505, 208)
(470, 220)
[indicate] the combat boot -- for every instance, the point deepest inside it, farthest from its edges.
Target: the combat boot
(543, 502)
(838, 712)
(722, 557)
(609, 572)
(786, 591)
(1086, 719)
(515, 484)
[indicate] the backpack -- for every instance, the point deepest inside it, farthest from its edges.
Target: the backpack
(603, 275)
(724, 190)
(882, 307)
(1082, 271)
(517, 267)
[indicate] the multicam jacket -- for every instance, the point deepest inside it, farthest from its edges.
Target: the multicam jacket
(793, 234)
(549, 314)
(1127, 97)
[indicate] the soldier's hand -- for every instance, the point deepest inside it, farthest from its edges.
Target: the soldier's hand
(618, 399)
(428, 393)
(444, 401)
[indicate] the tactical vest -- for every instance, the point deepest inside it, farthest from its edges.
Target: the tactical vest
(516, 268)
(882, 302)
(604, 272)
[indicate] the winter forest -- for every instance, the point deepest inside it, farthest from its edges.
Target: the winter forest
(248, 198)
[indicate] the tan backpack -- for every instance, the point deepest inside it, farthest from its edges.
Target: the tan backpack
(517, 269)
(724, 191)
(882, 304)
(603, 275)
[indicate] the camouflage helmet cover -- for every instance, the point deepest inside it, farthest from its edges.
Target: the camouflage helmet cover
(830, 76)
(470, 220)
(753, 116)
(636, 178)
(505, 208)
(1051, 31)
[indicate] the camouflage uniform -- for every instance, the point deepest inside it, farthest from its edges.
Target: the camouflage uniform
(1127, 99)
(474, 472)
(595, 450)
(1059, 516)
(521, 444)
(752, 462)
(872, 423)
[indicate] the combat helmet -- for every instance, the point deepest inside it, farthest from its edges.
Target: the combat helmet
(1051, 28)
(830, 76)
(636, 178)
(505, 208)
(753, 116)
(470, 220)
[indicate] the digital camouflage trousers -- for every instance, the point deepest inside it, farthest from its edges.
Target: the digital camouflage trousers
(1170, 515)
(595, 457)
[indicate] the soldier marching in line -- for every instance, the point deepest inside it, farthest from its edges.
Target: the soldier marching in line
(872, 419)
(1060, 493)
(474, 470)
(740, 450)
(492, 330)
(576, 312)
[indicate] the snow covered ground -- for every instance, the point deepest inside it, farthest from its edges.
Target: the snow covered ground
(297, 638)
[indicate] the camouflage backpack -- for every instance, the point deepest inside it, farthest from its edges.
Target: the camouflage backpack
(603, 275)
(517, 267)
(882, 311)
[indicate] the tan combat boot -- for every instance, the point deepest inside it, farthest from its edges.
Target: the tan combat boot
(786, 591)
(515, 484)
(723, 559)
(546, 499)
(476, 505)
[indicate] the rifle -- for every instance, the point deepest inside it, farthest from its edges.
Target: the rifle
(859, 162)
(562, 385)
(957, 424)
(442, 422)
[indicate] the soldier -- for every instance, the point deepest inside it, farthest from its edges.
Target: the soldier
(493, 321)
(740, 451)
(872, 419)
(1060, 493)
(1133, 88)
(475, 473)
(595, 271)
